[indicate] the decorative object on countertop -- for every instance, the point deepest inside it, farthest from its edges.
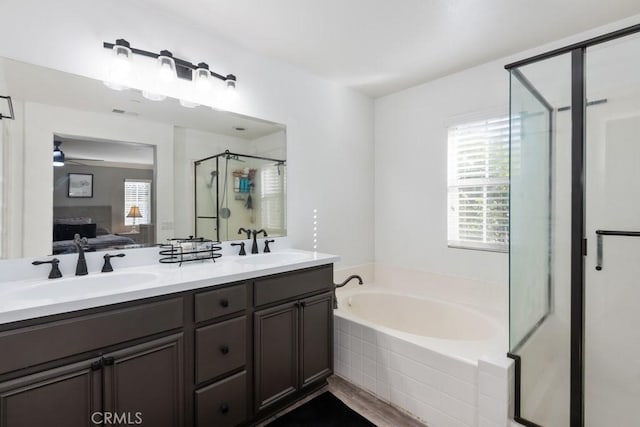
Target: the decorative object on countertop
(181, 250)
(266, 246)
(107, 267)
(347, 280)
(254, 247)
(242, 251)
(55, 271)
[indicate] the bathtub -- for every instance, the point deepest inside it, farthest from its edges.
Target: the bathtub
(427, 356)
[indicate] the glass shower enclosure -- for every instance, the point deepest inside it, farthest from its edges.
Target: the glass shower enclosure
(239, 190)
(575, 233)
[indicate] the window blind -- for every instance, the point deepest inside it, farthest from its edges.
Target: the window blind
(272, 193)
(137, 192)
(478, 184)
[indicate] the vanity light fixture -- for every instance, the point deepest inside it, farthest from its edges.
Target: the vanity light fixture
(169, 69)
(58, 154)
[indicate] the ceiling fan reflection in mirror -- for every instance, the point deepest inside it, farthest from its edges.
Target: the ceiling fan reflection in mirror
(59, 159)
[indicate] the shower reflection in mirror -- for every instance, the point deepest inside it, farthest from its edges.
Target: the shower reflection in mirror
(238, 190)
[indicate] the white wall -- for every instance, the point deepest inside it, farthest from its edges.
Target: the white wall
(411, 171)
(329, 128)
(411, 164)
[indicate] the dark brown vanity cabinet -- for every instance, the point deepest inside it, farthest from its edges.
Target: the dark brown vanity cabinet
(293, 346)
(64, 396)
(113, 376)
(140, 382)
(222, 351)
(221, 356)
(146, 382)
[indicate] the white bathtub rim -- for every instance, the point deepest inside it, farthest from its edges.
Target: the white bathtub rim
(469, 351)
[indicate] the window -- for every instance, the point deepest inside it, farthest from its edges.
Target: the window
(478, 185)
(137, 192)
(272, 192)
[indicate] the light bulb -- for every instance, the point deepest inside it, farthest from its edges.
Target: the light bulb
(166, 67)
(119, 71)
(164, 77)
(230, 81)
(202, 77)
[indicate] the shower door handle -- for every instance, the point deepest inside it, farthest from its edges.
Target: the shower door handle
(600, 244)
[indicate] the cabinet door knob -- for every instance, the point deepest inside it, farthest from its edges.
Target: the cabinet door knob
(224, 349)
(224, 408)
(108, 361)
(224, 303)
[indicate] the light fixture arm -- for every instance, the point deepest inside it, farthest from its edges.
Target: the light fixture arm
(184, 68)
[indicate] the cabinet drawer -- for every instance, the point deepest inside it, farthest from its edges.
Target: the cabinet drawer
(220, 302)
(33, 345)
(291, 285)
(224, 403)
(220, 348)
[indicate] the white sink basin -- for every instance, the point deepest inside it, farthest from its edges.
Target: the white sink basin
(272, 258)
(59, 290)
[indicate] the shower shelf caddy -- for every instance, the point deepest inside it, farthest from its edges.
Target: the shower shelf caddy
(177, 251)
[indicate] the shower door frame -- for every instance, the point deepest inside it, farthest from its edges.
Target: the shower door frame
(578, 237)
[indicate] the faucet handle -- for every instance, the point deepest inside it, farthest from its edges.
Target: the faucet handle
(242, 251)
(266, 246)
(55, 271)
(107, 267)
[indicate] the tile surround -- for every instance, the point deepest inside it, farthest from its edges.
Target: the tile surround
(439, 390)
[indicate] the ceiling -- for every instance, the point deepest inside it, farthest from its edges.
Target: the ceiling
(382, 46)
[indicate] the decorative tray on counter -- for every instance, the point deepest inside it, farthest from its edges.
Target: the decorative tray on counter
(189, 249)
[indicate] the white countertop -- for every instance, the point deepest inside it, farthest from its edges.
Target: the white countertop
(27, 299)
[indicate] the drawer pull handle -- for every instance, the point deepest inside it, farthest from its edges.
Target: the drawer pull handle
(224, 349)
(224, 303)
(224, 408)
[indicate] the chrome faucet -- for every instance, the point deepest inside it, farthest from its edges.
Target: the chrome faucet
(254, 247)
(350, 278)
(81, 266)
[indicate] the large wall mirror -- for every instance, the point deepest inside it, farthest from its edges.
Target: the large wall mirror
(129, 172)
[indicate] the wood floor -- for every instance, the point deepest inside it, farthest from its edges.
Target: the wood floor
(375, 410)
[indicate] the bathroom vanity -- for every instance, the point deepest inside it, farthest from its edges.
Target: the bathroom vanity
(208, 345)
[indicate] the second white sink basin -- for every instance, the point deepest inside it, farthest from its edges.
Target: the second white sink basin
(272, 258)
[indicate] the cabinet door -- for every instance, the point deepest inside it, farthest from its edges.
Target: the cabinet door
(65, 396)
(276, 353)
(146, 382)
(316, 338)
